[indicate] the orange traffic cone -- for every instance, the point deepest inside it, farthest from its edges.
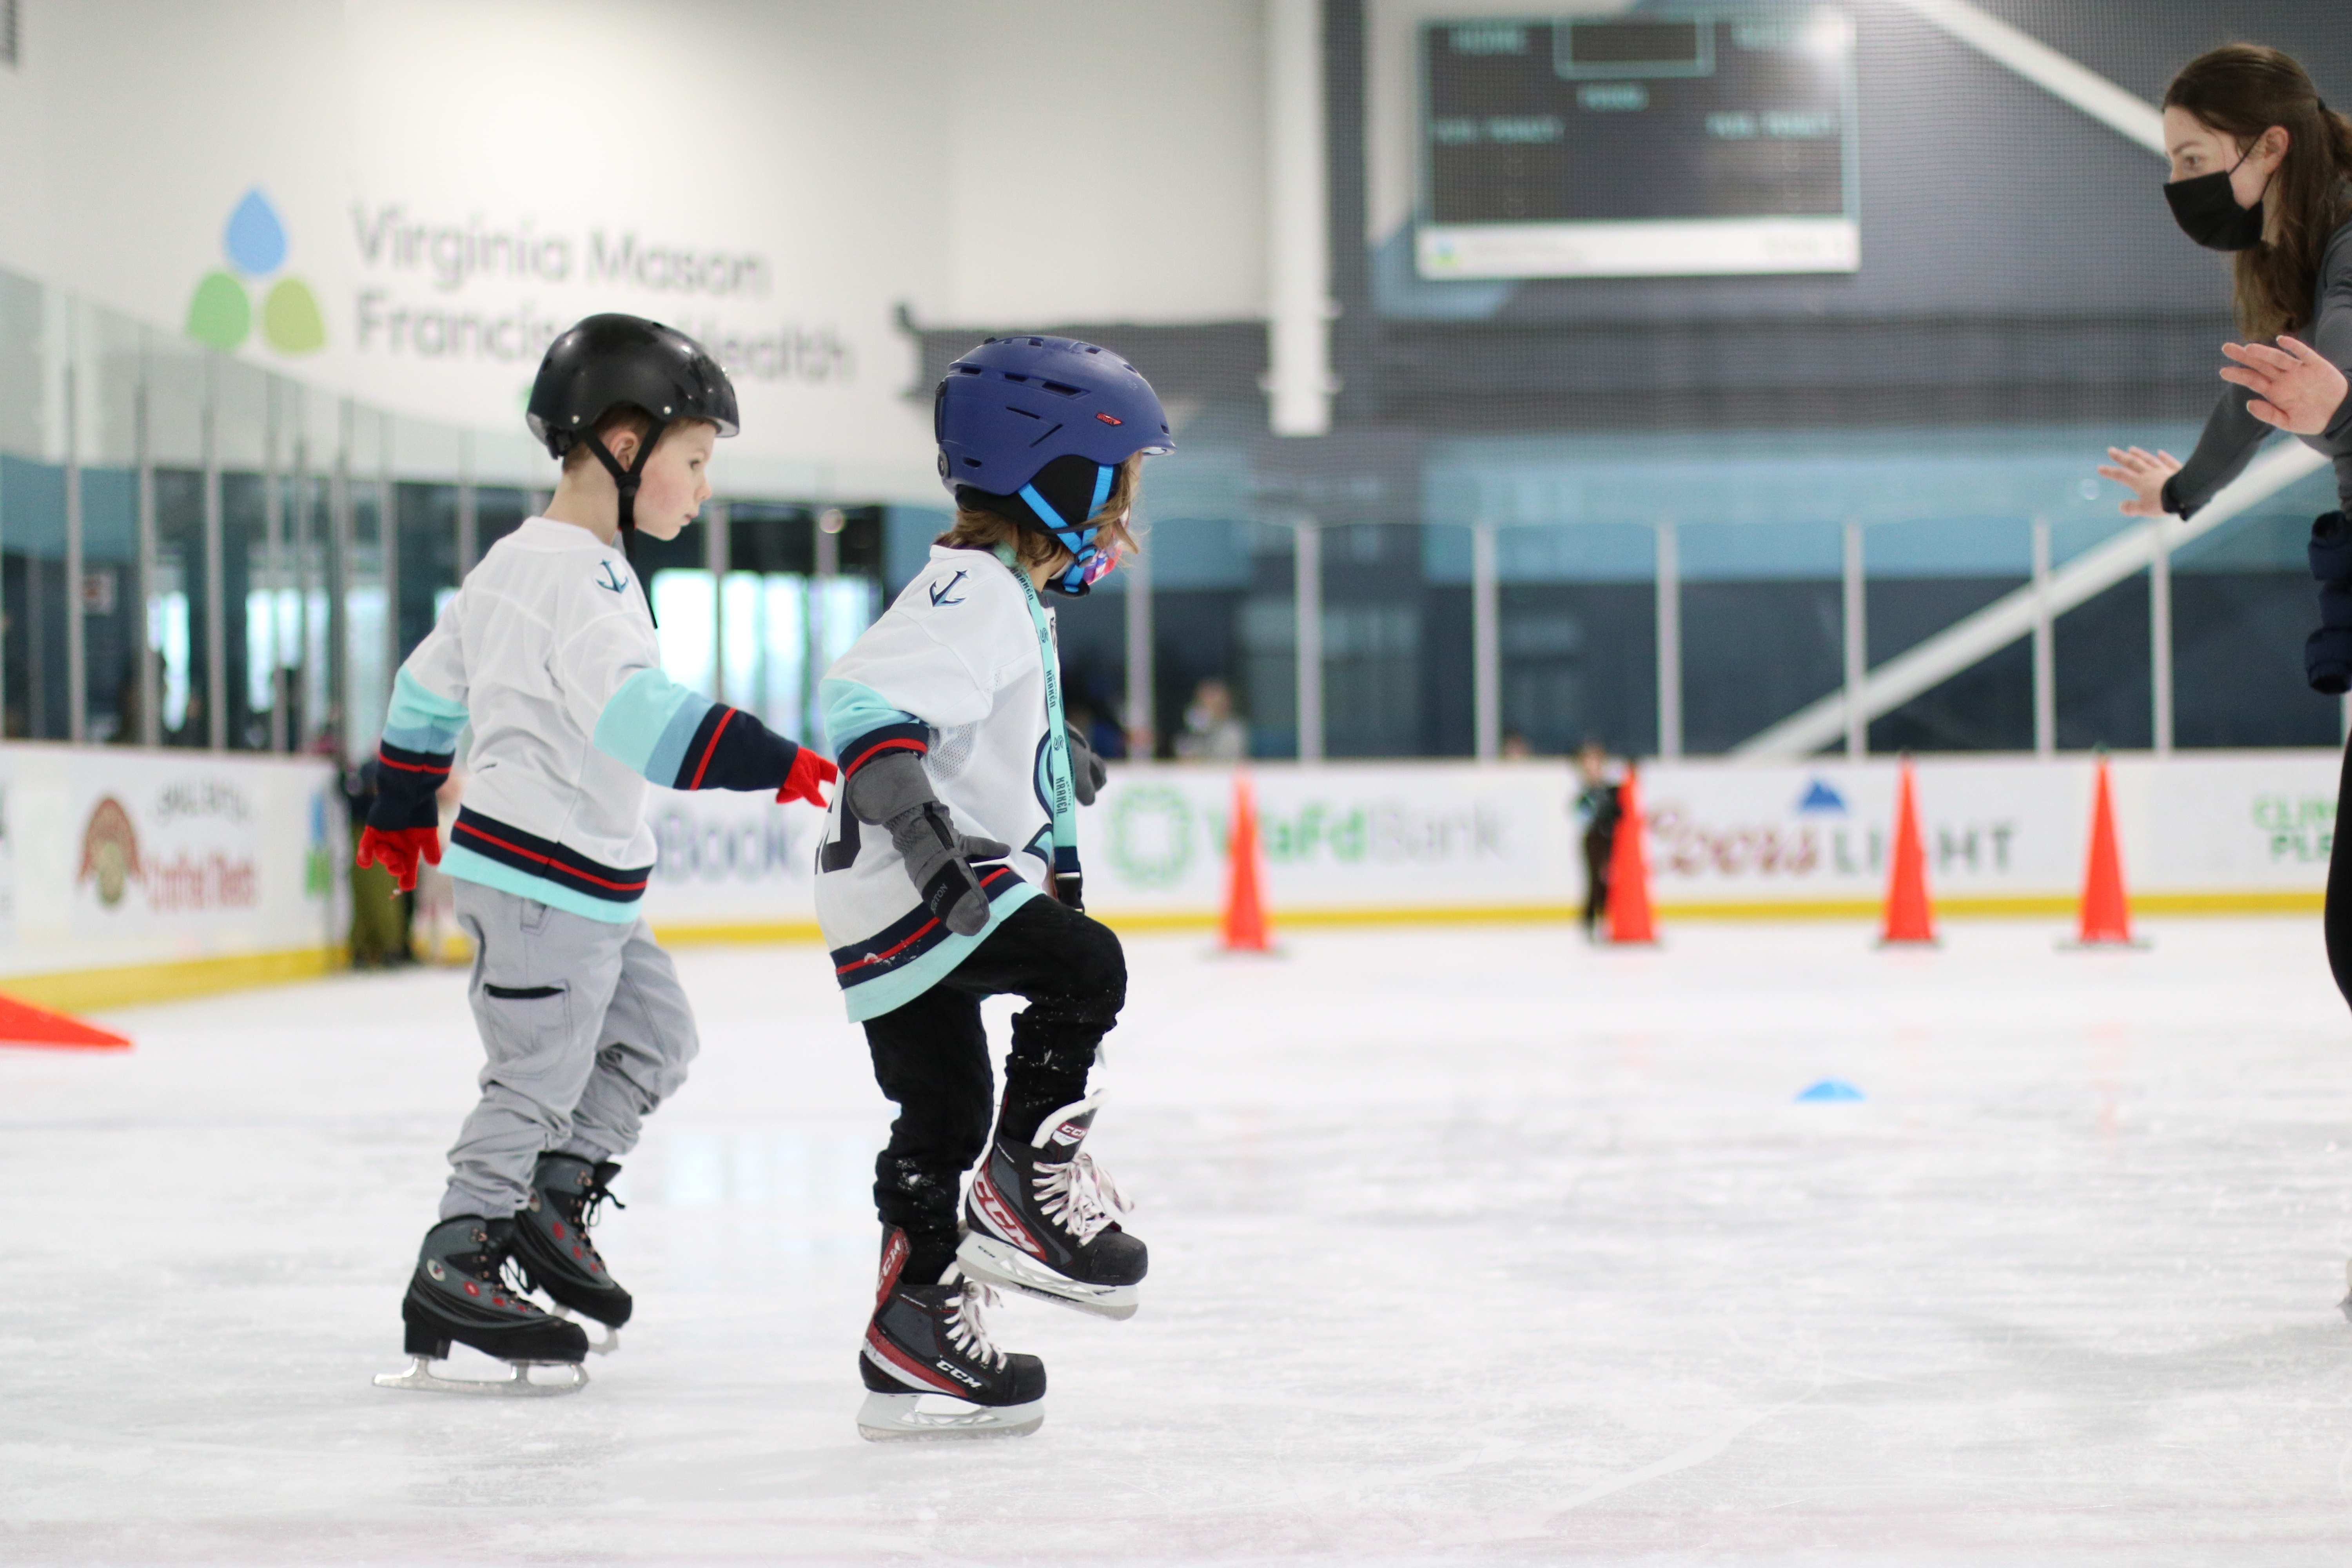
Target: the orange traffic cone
(1245, 921)
(1630, 916)
(2105, 913)
(22, 1024)
(1908, 916)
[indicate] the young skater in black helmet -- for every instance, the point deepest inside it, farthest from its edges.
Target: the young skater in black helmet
(950, 874)
(548, 652)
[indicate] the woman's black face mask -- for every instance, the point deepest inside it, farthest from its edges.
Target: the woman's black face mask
(2208, 212)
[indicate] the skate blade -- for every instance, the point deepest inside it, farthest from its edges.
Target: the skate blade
(901, 1417)
(987, 1258)
(605, 1346)
(421, 1377)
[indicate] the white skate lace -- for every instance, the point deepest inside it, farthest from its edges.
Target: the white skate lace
(1079, 1196)
(967, 1332)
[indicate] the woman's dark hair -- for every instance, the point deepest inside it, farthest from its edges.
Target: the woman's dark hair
(2241, 90)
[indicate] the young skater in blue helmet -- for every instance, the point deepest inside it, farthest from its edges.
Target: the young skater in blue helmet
(547, 656)
(950, 874)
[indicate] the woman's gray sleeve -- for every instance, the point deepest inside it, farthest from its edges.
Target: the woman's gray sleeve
(2331, 334)
(2231, 433)
(2222, 452)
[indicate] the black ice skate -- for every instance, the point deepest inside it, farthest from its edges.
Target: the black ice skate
(930, 1367)
(459, 1292)
(1039, 1221)
(550, 1242)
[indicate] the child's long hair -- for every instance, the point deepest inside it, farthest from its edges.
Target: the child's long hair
(2241, 90)
(977, 529)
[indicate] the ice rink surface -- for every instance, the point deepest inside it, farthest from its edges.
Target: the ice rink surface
(1468, 1245)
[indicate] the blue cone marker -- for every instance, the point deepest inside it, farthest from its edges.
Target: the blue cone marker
(1829, 1088)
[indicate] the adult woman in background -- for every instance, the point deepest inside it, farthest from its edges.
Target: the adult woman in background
(2262, 168)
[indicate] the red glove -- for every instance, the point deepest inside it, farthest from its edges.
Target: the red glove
(398, 851)
(809, 771)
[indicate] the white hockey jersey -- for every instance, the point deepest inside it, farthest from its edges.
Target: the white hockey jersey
(963, 671)
(549, 651)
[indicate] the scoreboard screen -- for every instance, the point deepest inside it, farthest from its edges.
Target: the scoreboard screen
(1644, 145)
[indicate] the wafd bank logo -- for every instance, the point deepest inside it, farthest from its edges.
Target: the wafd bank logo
(221, 311)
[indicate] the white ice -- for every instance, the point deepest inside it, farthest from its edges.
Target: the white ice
(1468, 1245)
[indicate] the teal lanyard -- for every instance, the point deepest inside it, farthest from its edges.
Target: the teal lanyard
(1058, 746)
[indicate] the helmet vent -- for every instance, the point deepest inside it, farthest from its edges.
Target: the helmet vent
(1036, 343)
(967, 370)
(972, 463)
(1022, 412)
(1065, 388)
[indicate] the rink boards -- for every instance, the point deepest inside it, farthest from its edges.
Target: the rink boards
(1365, 842)
(129, 874)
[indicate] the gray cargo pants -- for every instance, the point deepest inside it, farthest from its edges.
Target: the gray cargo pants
(586, 1030)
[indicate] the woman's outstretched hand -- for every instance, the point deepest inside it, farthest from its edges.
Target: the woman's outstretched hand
(2143, 473)
(2295, 386)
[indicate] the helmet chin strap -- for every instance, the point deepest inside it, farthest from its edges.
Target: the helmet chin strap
(625, 482)
(1078, 539)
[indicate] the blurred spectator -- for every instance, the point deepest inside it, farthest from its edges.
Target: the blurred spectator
(1516, 748)
(1213, 732)
(1597, 808)
(1108, 740)
(435, 922)
(379, 911)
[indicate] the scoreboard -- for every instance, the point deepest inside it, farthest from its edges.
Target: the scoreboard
(1649, 144)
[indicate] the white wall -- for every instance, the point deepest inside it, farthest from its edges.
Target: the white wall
(1106, 162)
(984, 163)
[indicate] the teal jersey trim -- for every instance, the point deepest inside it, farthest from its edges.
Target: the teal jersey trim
(648, 723)
(468, 867)
(1061, 798)
(852, 709)
(421, 720)
(893, 991)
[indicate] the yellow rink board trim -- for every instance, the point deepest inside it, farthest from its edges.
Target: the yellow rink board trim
(739, 932)
(96, 990)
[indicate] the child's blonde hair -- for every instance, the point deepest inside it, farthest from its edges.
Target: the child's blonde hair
(1033, 547)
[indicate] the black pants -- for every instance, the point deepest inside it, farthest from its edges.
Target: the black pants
(931, 1059)
(1599, 844)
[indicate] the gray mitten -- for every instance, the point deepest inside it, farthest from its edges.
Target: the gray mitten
(1087, 774)
(895, 793)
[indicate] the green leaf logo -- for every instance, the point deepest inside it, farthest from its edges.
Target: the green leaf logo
(220, 314)
(290, 320)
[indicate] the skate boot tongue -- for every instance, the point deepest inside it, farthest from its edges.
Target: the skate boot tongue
(551, 1240)
(1060, 1134)
(579, 1188)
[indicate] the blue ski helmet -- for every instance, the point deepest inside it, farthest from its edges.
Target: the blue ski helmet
(1034, 429)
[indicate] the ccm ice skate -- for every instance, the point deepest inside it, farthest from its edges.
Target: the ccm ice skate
(930, 1369)
(459, 1293)
(551, 1243)
(1039, 1221)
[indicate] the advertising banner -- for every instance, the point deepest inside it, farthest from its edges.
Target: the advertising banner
(115, 857)
(2003, 835)
(2216, 830)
